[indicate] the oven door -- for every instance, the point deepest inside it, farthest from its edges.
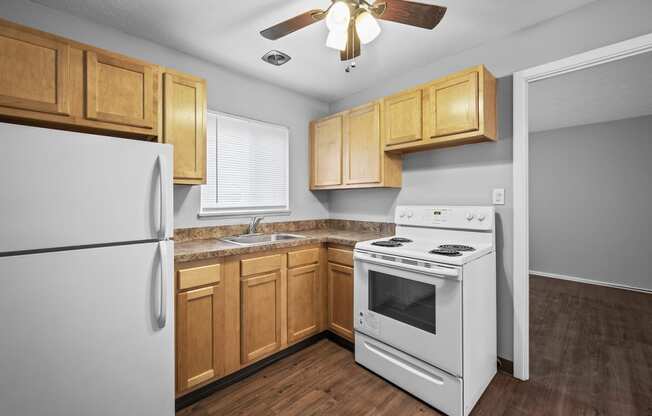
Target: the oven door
(414, 308)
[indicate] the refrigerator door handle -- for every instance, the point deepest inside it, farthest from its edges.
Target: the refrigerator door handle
(162, 166)
(162, 317)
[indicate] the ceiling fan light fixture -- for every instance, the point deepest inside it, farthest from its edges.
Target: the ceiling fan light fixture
(367, 27)
(338, 16)
(337, 39)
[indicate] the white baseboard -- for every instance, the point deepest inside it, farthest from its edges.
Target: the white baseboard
(590, 281)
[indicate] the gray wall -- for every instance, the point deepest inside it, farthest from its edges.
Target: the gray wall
(590, 200)
(467, 174)
(460, 175)
(227, 91)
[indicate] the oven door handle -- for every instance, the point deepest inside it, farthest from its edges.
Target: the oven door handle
(431, 271)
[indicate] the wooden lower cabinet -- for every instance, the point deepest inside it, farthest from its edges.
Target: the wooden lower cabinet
(260, 316)
(340, 300)
(234, 311)
(303, 302)
(200, 330)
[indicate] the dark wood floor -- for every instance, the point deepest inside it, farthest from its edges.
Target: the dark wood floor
(591, 354)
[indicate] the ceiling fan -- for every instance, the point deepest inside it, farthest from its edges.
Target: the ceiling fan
(353, 22)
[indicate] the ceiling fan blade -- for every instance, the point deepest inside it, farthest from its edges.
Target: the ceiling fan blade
(293, 24)
(426, 16)
(352, 44)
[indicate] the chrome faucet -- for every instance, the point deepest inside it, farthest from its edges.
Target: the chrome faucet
(253, 224)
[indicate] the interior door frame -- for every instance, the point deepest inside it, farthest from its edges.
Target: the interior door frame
(522, 79)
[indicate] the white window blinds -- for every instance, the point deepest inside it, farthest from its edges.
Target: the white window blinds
(247, 167)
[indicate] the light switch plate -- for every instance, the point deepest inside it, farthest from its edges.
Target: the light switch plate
(498, 196)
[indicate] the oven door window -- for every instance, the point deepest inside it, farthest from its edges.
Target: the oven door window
(405, 300)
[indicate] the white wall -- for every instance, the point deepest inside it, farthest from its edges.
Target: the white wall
(590, 201)
(227, 91)
(466, 175)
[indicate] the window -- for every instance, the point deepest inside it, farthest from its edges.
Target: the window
(247, 167)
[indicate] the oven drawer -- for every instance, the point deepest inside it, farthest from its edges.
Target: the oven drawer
(435, 387)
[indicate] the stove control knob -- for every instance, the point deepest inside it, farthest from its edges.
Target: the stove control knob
(469, 216)
(481, 217)
(409, 214)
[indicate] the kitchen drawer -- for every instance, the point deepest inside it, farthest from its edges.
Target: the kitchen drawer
(435, 387)
(259, 265)
(303, 257)
(198, 276)
(336, 255)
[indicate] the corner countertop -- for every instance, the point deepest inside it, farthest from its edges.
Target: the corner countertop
(202, 249)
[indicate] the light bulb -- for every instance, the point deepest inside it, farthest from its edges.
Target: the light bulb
(337, 39)
(367, 27)
(338, 16)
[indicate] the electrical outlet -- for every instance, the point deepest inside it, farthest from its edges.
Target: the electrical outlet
(498, 196)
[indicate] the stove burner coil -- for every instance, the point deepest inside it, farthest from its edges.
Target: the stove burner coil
(446, 252)
(400, 240)
(456, 247)
(386, 243)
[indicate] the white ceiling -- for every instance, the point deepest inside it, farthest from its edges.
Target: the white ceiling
(612, 91)
(227, 33)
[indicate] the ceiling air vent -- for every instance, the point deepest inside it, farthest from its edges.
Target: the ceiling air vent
(277, 58)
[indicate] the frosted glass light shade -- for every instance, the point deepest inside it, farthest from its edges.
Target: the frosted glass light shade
(338, 17)
(367, 27)
(337, 39)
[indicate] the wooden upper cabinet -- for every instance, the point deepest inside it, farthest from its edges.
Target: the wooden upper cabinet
(121, 90)
(458, 109)
(453, 106)
(362, 145)
(403, 117)
(260, 316)
(34, 71)
(184, 125)
(200, 333)
(326, 150)
(340, 300)
(347, 151)
(302, 302)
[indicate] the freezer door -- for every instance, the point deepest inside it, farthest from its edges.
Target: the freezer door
(83, 334)
(64, 189)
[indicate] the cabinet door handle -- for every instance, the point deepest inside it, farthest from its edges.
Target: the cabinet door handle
(162, 314)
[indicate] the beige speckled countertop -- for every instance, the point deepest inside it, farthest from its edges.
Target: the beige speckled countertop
(202, 249)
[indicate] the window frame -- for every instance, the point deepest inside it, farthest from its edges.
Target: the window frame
(248, 211)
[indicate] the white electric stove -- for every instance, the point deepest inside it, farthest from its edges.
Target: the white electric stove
(425, 304)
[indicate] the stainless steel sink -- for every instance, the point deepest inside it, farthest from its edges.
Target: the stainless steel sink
(253, 239)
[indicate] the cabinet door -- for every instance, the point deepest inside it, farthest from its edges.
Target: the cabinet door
(340, 300)
(303, 302)
(453, 106)
(362, 145)
(261, 316)
(327, 151)
(200, 336)
(34, 71)
(184, 126)
(403, 118)
(120, 90)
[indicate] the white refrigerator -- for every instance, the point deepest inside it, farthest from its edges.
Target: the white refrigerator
(86, 275)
